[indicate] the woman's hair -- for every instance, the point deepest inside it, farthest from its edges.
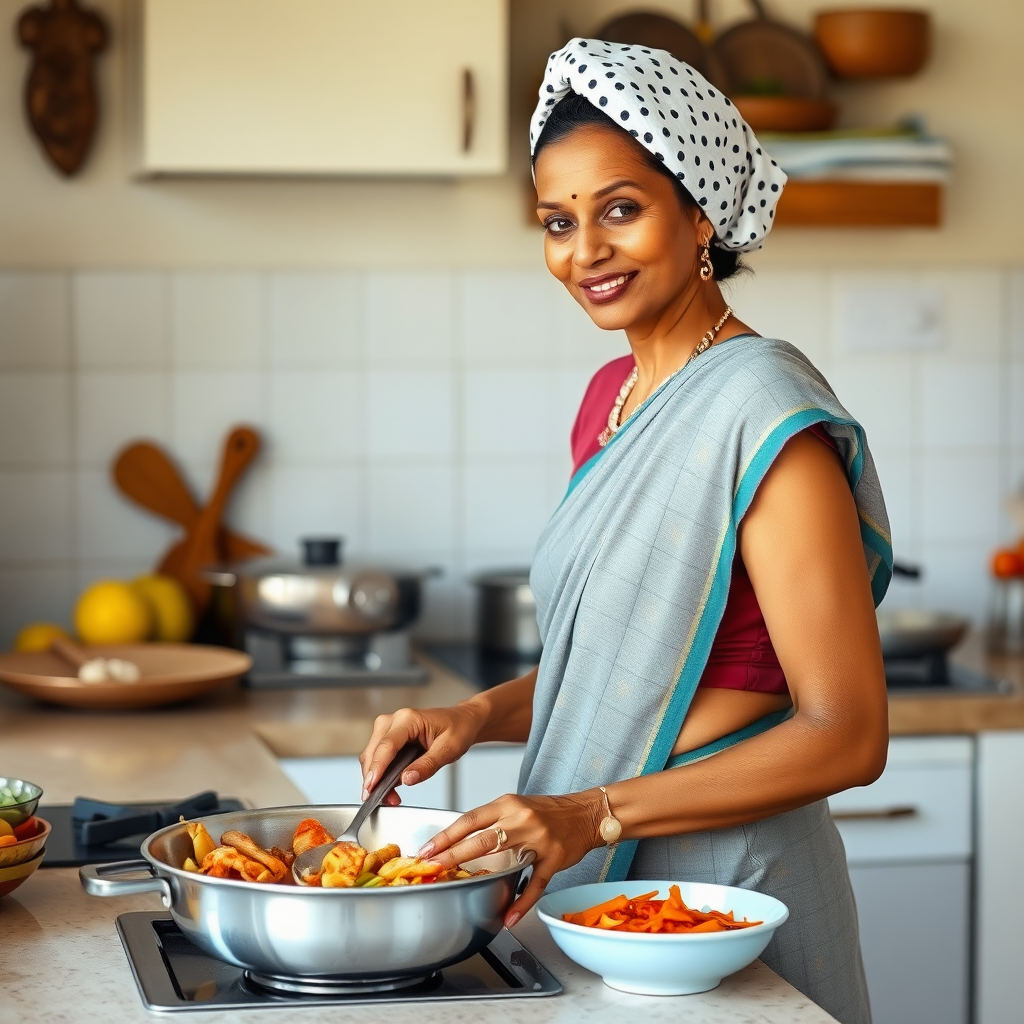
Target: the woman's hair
(575, 111)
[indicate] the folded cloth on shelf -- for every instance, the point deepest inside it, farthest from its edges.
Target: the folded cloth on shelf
(880, 155)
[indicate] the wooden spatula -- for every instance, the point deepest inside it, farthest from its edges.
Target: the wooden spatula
(199, 547)
(146, 474)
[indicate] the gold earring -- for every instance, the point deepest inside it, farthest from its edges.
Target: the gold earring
(707, 271)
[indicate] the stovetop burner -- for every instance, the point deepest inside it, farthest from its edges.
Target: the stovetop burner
(174, 975)
(338, 986)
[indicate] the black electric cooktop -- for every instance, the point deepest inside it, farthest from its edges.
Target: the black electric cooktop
(65, 847)
(173, 975)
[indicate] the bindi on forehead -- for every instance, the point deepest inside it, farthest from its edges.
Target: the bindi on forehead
(574, 195)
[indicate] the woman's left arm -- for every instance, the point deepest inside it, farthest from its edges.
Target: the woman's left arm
(801, 545)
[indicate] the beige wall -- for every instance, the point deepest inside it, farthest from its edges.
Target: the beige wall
(972, 92)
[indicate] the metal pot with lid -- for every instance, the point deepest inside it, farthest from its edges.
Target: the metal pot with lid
(321, 594)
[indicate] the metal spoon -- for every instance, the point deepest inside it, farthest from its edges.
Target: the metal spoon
(310, 862)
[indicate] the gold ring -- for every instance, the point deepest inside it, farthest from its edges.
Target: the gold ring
(502, 838)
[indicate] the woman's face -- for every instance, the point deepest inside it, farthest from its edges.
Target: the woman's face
(616, 234)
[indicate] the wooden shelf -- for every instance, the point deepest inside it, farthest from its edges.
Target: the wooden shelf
(860, 204)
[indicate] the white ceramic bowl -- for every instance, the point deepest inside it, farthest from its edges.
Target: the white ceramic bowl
(663, 965)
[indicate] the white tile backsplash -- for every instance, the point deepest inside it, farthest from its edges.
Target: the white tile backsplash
(425, 415)
(410, 508)
(508, 412)
(34, 593)
(36, 516)
(205, 405)
(108, 525)
(888, 312)
(115, 408)
(507, 319)
(409, 318)
(961, 403)
(785, 304)
(410, 413)
(881, 394)
(507, 504)
(315, 416)
(35, 419)
(35, 321)
(216, 320)
(120, 320)
(315, 320)
(960, 497)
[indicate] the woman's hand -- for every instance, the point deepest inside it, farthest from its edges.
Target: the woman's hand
(444, 733)
(561, 830)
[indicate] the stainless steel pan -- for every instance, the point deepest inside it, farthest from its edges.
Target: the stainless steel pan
(917, 633)
(295, 931)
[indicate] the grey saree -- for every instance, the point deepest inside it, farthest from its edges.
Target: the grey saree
(631, 577)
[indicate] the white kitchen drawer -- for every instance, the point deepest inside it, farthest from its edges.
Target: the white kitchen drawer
(485, 772)
(920, 809)
(338, 780)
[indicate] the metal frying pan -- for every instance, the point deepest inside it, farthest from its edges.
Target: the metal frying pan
(916, 632)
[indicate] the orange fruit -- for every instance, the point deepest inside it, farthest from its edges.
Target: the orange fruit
(1007, 563)
(173, 618)
(112, 612)
(37, 636)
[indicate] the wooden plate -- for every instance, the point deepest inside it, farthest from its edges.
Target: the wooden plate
(170, 673)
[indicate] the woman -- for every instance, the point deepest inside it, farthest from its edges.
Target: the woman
(707, 586)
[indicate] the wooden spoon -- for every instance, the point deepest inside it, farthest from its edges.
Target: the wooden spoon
(199, 548)
(146, 474)
(92, 669)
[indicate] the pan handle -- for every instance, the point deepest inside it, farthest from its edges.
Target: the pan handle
(101, 880)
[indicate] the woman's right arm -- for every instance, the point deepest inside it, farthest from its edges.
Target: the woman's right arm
(502, 713)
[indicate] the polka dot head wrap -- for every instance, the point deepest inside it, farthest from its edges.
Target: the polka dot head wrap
(683, 121)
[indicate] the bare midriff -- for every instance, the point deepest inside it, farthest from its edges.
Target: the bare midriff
(716, 713)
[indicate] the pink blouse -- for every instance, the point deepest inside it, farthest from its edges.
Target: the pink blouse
(742, 656)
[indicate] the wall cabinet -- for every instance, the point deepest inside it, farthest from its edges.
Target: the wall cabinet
(321, 87)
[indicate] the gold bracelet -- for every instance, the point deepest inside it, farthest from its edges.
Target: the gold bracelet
(610, 827)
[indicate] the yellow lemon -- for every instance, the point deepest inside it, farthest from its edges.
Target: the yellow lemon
(5, 828)
(37, 636)
(111, 612)
(173, 618)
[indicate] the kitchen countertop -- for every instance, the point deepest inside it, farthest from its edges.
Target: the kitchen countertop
(931, 714)
(61, 958)
(230, 739)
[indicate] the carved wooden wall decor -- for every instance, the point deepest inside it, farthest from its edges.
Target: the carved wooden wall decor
(60, 96)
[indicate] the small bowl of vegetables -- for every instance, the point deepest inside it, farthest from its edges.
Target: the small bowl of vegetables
(23, 842)
(18, 800)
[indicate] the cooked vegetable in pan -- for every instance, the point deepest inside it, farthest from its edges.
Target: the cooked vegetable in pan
(346, 866)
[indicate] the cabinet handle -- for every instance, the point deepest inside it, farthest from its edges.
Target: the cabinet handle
(882, 814)
(468, 109)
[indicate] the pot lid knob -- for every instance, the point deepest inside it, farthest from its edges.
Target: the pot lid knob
(321, 550)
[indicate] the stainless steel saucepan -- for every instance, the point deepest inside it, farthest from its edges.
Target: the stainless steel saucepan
(296, 931)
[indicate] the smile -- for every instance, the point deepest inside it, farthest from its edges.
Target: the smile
(608, 287)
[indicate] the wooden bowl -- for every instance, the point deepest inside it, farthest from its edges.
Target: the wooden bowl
(32, 835)
(874, 43)
(12, 877)
(786, 113)
(170, 673)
